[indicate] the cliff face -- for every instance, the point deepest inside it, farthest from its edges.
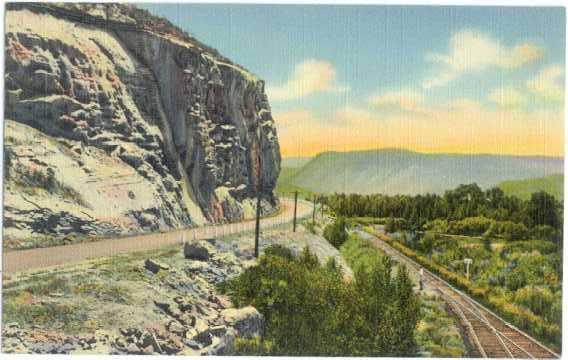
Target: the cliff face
(117, 122)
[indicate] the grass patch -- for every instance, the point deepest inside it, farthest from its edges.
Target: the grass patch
(360, 254)
(437, 333)
(20, 309)
(103, 292)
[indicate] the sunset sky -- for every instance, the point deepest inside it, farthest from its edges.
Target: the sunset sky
(431, 79)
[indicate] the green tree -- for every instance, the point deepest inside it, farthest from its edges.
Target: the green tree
(542, 209)
(336, 232)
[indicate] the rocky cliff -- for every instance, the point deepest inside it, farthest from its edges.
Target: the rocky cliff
(117, 122)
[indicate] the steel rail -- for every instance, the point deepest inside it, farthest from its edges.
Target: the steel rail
(486, 322)
(480, 317)
(477, 305)
(467, 324)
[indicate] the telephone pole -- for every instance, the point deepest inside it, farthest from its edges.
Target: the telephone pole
(295, 208)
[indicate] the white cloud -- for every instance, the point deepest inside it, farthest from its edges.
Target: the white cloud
(507, 97)
(472, 51)
(548, 84)
(310, 77)
(405, 100)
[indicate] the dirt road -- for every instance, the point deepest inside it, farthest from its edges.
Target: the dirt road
(22, 260)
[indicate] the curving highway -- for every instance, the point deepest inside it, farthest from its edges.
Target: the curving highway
(21, 260)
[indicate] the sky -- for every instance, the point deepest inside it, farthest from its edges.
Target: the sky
(425, 78)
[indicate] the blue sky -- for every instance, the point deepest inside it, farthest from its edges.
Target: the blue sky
(394, 54)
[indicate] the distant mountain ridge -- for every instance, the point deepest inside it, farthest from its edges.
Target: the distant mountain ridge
(295, 162)
(397, 171)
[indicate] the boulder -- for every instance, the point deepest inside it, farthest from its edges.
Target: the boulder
(247, 321)
(155, 266)
(176, 328)
(148, 339)
(195, 251)
(132, 349)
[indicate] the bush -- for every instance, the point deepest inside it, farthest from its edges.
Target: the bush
(396, 224)
(540, 301)
(511, 231)
(279, 250)
(546, 232)
(336, 232)
(309, 310)
(360, 254)
(472, 226)
(366, 220)
(438, 225)
(252, 346)
(310, 226)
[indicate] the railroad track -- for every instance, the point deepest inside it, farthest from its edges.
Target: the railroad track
(489, 335)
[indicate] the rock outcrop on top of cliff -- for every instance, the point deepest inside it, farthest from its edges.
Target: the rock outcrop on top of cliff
(117, 122)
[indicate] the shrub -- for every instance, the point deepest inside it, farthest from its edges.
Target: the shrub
(336, 232)
(511, 231)
(309, 310)
(396, 224)
(310, 226)
(252, 346)
(438, 225)
(278, 250)
(473, 226)
(366, 220)
(540, 301)
(546, 232)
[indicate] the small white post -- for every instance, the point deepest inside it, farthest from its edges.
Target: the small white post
(467, 262)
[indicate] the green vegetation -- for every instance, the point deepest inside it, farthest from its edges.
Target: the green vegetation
(69, 316)
(310, 310)
(478, 226)
(507, 277)
(437, 333)
(368, 220)
(466, 210)
(515, 245)
(360, 255)
(336, 232)
(523, 189)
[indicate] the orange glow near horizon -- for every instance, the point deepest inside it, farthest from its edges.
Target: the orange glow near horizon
(470, 129)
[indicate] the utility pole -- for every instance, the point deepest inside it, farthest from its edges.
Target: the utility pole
(295, 208)
(258, 193)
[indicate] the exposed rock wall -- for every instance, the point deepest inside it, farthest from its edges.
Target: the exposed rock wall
(143, 127)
